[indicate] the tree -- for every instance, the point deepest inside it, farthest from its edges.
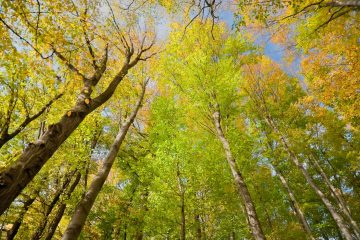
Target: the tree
(19, 174)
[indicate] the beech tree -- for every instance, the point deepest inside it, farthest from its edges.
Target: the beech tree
(18, 175)
(249, 127)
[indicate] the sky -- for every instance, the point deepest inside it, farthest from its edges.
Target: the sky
(273, 50)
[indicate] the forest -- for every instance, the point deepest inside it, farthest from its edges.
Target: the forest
(180, 119)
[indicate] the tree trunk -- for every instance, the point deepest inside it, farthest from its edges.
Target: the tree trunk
(140, 230)
(5, 136)
(83, 208)
(339, 220)
(337, 197)
(39, 231)
(198, 227)
(17, 176)
(16, 226)
(232, 236)
(250, 211)
(182, 204)
(59, 214)
(295, 205)
(345, 3)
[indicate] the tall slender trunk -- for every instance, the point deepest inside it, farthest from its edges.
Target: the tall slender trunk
(16, 226)
(295, 205)
(261, 202)
(60, 212)
(182, 204)
(83, 208)
(39, 231)
(250, 211)
(339, 220)
(140, 230)
(337, 197)
(198, 227)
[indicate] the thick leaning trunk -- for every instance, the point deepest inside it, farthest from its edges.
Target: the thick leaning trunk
(339, 220)
(345, 3)
(61, 210)
(337, 197)
(250, 211)
(16, 177)
(83, 208)
(296, 206)
(16, 226)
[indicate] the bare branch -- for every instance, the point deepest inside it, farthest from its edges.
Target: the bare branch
(26, 41)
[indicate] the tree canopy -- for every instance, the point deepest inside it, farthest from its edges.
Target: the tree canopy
(201, 119)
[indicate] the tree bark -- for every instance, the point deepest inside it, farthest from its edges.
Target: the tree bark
(250, 211)
(339, 220)
(16, 226)
(60, 212)
(296, 206)
(83, 208)
(39, 231)
(17, 176)
(198, 227)
(337, 197)
(182, 204)
(5, 136)
(140, 230)
(345, 3)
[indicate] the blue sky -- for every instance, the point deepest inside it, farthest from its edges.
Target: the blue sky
(273, 50)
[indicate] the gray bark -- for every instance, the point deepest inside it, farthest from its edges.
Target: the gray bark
(5, 136)
(61, 210)
(17, 176)
(339, 220)
(250, 211)
(338, 198)
(83, 208)
(182, 204)
(16, 226)
(43, 222)
(345, 3)
(296, 206)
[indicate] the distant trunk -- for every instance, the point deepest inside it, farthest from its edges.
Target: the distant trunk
(140, 230)
(83, 208)
(337, 196)
(15, 228)
(336, 216)
(125, 234)
(250, 211)
(198, 227)
(295, 205)
(182, 204)
(139, 235)
(39, 231)
(60, 212)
